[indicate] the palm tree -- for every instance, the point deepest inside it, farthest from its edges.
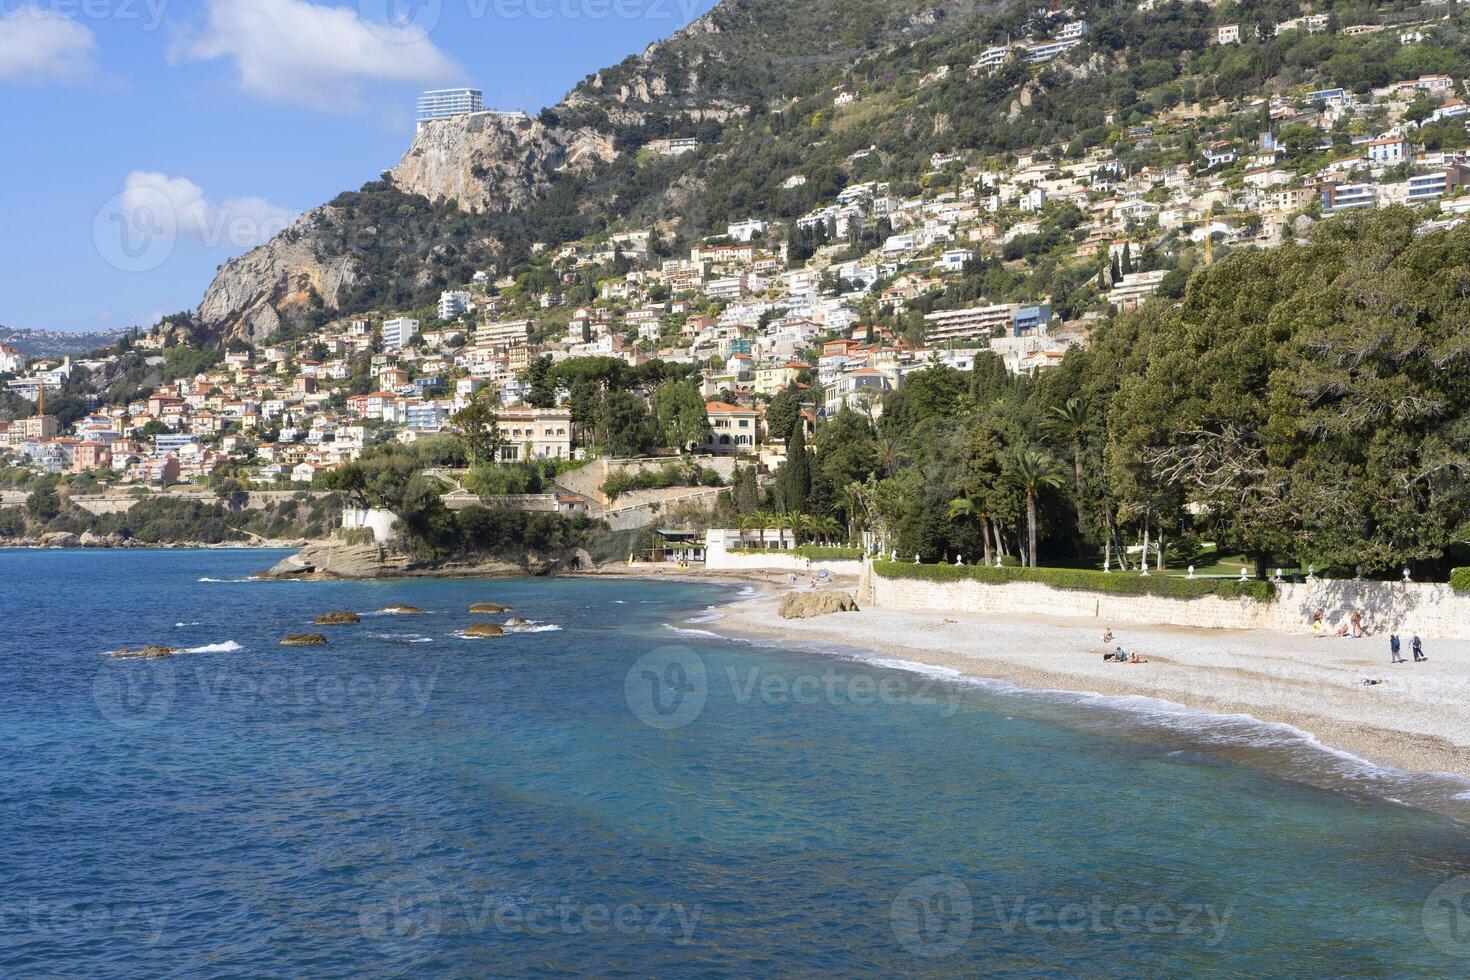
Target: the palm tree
(1032, 470)
(751, 522)
(780, 523)
(967, 507)
(797, 522)
(1069, 420)
(828, 528)
(852, 507)
(763, 520)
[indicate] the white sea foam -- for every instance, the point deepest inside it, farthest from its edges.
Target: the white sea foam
(711, 614)
(229, 581)
(229, 646)
(183, 625)
(402, 637)
(691, 632)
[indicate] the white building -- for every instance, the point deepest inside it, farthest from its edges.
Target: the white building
(452, 304)
(12, 361)
(398, 332)
(446, 103)
(1227, 34)
(744, 231)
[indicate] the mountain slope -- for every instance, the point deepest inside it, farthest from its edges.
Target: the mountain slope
(755, 83)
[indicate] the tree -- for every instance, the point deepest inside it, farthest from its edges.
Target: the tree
(782, 412)
(965, 507)
(796, 474)
(541, 392)
(683, 420)
(624, 427)
(479, 426)
(1069, 420)
(1033, 471)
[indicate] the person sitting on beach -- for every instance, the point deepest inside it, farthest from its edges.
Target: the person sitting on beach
(1342, 630)
(1107, 635)
(1117, 656)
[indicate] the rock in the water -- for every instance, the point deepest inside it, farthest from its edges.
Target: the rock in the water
(339, 618)
(60, 539)
(305, 640)
(488, 609)
(144, 653)
(402, 610)
(484, 631)
(336, 560)
(807, 605)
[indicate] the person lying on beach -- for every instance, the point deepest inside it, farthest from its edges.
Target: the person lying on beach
(1373, 681)
(1134, 658)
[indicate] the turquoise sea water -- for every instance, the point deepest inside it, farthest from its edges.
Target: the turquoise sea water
(625, 795)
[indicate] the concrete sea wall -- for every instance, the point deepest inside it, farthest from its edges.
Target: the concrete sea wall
(1430, 609)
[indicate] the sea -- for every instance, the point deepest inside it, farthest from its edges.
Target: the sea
(612, 789)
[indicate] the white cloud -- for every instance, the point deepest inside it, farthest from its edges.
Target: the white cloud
(312, 54)
(38, 46)
(177, 208)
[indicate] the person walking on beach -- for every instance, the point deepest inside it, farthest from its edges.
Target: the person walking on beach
(1393, 649)
(1418, 649)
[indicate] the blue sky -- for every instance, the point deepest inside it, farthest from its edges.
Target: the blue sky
(209, 123)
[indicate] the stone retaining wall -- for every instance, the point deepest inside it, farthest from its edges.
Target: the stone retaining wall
(1429, 609)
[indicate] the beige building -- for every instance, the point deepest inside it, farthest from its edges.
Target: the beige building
(535, 433)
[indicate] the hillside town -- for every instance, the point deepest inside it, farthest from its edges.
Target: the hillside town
(1021, 256)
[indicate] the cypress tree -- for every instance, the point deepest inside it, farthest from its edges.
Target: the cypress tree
(798, 469)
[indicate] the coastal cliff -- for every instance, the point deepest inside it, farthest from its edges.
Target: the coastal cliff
(336, 558)
(494, 162)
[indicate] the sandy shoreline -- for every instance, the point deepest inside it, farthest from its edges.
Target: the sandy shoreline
(1418, 722)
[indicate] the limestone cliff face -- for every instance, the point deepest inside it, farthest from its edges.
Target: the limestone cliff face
(250, 292)
(488, 162)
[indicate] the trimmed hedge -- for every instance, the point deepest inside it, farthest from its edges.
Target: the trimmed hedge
(1122, 583)
(818, 553)
(1460, 579)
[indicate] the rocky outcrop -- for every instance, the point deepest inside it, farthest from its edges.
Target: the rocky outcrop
(339, 618)
(809, 605)
(401, 610)
(484, 631)
(493, 162)
(305, 640)
(334, 560)
(488, 609)
(250, 292)
(60, 539)
(145, 653)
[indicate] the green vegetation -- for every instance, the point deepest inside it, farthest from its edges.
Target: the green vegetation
(1082, 580)
(677, 474)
